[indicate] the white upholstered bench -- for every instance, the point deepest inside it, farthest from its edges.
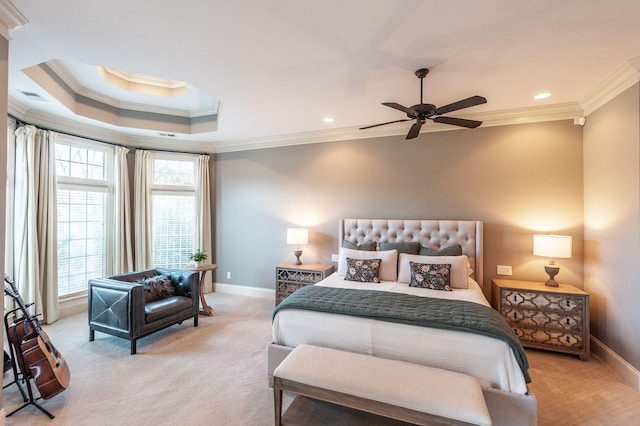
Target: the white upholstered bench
(395, 389)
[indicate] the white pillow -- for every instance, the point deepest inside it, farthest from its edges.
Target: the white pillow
(388, 266)
(458, 267)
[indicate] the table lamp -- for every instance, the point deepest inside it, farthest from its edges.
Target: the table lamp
(297, 236)
(553, 247)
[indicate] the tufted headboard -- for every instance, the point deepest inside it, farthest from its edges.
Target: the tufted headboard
(433, 234)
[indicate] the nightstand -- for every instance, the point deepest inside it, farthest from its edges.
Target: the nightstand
(290, 277)
(543, 317)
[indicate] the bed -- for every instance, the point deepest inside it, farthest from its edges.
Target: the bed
(493, 361)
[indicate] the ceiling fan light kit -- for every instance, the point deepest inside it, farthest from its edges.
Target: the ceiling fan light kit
(423, 112)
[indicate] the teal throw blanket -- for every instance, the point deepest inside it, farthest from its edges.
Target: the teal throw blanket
(408, 309)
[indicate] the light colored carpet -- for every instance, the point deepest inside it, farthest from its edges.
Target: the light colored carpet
(215, 374)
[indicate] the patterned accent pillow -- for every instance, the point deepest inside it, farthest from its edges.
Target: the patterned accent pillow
(434, 277)
(363, 270)
(157, 287)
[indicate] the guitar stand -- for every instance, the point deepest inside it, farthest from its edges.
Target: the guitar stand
(19, 376)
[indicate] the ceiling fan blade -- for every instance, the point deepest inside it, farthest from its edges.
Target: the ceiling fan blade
(414, 130)
(464, 103)
(471, 124)
(399, 107)
(382, 124)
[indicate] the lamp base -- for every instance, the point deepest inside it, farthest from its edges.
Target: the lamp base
(297, 253)
(552, 271)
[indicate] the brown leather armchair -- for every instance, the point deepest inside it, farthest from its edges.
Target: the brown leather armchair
(117, 304)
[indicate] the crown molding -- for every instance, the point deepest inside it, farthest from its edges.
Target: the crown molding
(495, 118)
(621, 80)
(71, 126)
(87, 130)
(16, 108)
(538, 114)
(10, 18)
(490, 119)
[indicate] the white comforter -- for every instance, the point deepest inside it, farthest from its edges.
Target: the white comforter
(490, 360)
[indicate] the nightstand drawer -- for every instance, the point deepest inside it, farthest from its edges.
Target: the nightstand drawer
(295, 277)
(545, 319)
(542, 301)
(572, 341)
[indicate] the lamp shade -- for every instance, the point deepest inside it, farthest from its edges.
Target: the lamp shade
(297, 236)
(552, 246)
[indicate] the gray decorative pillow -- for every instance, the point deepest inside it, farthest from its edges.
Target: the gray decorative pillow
(368, 246)
(454, 250)
(363, 270)
(409, 247)
(434, 277)
(157, 288)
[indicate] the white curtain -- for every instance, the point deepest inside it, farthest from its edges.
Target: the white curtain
(8, 225)
(35, 252)
(142, 210)
(203, 211)
(122, 258)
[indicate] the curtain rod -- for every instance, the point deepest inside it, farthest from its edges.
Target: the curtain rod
(20, 121)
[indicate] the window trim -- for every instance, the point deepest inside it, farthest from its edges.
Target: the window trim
(105, 186)
(176, 190)
(191, 158)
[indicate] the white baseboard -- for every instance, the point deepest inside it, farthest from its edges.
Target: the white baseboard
(626, 371)
(264, 293)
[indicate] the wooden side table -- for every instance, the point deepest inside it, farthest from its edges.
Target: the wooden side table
(543, 317)
(290, 277)
(206, 309)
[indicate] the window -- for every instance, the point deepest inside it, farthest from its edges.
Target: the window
(173, 209)
(83, 189)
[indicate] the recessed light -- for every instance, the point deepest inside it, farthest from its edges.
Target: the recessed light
(329, 119)
(543, 95)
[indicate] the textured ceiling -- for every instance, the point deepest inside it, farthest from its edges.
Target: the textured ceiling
(278, 68)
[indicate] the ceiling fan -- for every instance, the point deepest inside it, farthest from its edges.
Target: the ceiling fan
(423, 112)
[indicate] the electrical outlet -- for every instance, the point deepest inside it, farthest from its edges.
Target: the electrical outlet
(335, 258)
(228, 275)
(503, 270)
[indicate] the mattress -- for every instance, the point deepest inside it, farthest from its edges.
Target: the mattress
(488, 359)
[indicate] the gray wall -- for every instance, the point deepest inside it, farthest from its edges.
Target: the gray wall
(518, 179)
(612, 223)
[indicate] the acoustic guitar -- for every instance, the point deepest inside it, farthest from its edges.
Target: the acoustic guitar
(37, 357)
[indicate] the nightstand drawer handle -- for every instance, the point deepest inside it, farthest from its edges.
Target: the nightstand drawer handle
(515, 315)
(568, 321)
(568, 304)
(567, 339)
